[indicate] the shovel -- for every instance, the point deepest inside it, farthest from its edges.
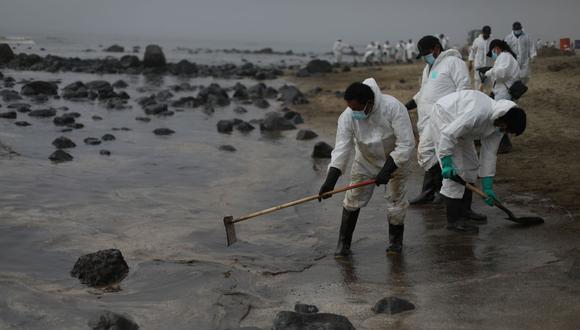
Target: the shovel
(229, 220)
(527, 221)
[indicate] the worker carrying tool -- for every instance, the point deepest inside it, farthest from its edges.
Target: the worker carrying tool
(378, 128)
(456, 121)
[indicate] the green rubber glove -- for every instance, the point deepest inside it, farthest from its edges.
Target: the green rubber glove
(447, 170)
(487, 183)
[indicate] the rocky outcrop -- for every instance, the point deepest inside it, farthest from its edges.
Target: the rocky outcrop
(102, 268)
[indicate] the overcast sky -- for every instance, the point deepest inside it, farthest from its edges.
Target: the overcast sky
(292, 21)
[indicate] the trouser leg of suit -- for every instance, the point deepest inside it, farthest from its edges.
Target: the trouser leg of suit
(338, 57)
(427, 159)
(397, 205)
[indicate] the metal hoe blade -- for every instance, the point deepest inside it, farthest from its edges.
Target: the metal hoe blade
(230, 230)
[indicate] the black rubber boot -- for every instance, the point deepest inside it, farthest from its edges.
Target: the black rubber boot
(395, 239)
(505, 146)
(432, 182)
(347, 226)
(477, 218)
(456, 217)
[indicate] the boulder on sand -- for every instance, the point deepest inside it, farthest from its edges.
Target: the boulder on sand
(8, 115)
(6, 53)
(43, 113)
(107, 320)
(291, 95)
(305, 134)
(163, 131)
(114, 49)
(154, 57)
(392, 305)
(274, 121)
(304, 321)
(60, 156)
(39, 88)
(63, 143)
(225, 126)
(129, 61)
(322, 150)
(102, 268)
(318, 66)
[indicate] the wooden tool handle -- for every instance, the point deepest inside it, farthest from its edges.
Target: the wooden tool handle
(304, 200)
(475, 190)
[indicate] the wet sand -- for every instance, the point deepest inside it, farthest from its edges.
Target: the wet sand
(161, 201)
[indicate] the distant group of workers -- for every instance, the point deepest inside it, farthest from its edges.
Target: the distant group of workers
(451, 117)
(382, 53)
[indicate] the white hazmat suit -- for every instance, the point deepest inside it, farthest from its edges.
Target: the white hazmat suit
(410, 51)
(457, 120)
(504, 73)
(448, 74)
(525, 49)
(339, 48)
(478, 55)
(386, 131)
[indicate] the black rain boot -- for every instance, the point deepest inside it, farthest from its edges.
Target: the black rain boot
(395, 239)
(455, 217)
(476, 218)
(347, 226)
(430, 186)
(505, 145)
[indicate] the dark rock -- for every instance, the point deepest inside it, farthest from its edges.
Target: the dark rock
(392, 305)
(76, 90)
(20, 107)
(39, 88)
(270, 93)
(155, 109)
(291, 95)
(6, 53)
(63, 143)
(104, 152)
(76, 125)
(163, 131)
(39, 98)
(44, 113)
(143, 119)
(63, 121)
(60, 156)
(8, 115)
(66, 130)
(108, 137)
(322, 150)
(163, 95)
(97, 118)
(214, 95)
(261, 103)
(22, 123)
(120, 84)
(287, 320)
(240, 110)
(106, 320)
(129, 61)
(257, 91)
(227, 148)
(154, 57)
(9, 95)
(294, 117)
(241, 94)
(114, 49)
(101, 268)
(92, 141)
(244, 126)
(303, 308)
(184, 67)
(225, 126)
(273, 121)
(305, 134)
(319, 66)
(303, 73)
(186, 102)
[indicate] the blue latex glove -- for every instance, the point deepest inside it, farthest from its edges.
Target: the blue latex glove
(487, 183)
(447, 170)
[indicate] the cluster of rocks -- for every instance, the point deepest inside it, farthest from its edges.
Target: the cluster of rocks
(98, 90)
(61, 143)
(153, 61)
(264, 51)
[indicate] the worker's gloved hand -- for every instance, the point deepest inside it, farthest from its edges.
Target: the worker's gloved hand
(328, 185)
(447, 169)
(385, 173)
(487, 183)
(411, 105)
(484, 69)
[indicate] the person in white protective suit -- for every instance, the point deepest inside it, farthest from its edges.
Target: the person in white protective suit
(410, 51)
(339, 48)
(524, 48)
(444, 41)
(444, 73)
(400, 52)
(504, 73)
(378, 129)
(387, 49)
(370, 52)
(456, 121)
(478, 58)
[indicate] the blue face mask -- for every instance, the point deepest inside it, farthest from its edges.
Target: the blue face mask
(518, 33)
(429, 59)
(360, 115)
(493, 55)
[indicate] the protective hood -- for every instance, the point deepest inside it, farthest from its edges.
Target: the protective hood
(372, 83)
(501, 107)
(447, 53)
